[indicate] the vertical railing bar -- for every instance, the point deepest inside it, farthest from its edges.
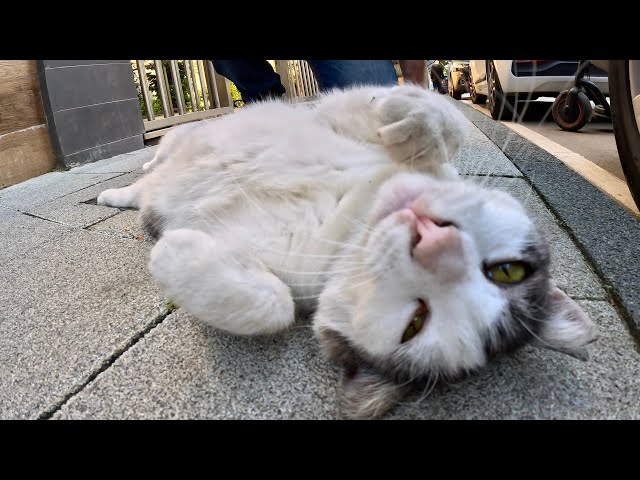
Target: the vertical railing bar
(144, 88)
(299, 79)
(187, 69)
(316, 87)
(305, 75)
(212, 75)
(292, 86)
(202, 84)
(196, 81)
(168, 90)
(293, 77)
(161, 87)
(313, 86)
(177, 85)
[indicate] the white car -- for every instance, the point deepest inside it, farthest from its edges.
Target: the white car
(505, 82)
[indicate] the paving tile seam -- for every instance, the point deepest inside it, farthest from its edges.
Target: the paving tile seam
(33, 215)
(88, 186)
(86, 227)
(613, 297)
(52, 410)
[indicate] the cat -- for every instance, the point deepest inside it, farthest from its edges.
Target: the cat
(349, 210)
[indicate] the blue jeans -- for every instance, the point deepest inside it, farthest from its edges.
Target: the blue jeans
(256, 80)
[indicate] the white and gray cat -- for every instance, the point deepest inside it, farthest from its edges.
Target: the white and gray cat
(349, 209)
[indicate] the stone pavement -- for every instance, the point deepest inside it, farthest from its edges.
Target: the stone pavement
(85, 333)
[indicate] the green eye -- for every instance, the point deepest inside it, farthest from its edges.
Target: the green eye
(508, 272)
(418, 320)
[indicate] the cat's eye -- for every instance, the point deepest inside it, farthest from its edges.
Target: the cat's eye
(418, 319)
(508, 272)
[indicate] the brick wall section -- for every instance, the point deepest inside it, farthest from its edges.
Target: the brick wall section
(92, 109)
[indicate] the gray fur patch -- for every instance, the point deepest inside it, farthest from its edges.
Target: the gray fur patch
(152, 223)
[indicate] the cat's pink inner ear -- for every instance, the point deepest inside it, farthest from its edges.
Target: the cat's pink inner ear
(568, 329)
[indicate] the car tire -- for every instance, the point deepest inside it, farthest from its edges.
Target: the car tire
(456, 94)
(575, 119)
(476, 98)
(625, 126)
(500, 107)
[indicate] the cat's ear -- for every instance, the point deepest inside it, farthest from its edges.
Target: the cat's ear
(568, 329)
(364, 394)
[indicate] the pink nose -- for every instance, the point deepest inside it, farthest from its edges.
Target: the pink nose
(439, 249)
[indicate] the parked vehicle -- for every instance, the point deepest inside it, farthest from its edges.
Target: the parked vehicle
(624, 93)
(458, 78)
(503, 83)
(572, 109)
(438, 77)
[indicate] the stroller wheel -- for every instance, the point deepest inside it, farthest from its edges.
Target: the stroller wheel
(577, 117)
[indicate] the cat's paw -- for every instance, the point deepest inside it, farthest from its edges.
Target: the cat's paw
(118, 197)
(420, 127)
(179, 253)
(220, 284)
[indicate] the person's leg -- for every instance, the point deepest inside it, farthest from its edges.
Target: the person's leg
(345, 73)
(255, 79)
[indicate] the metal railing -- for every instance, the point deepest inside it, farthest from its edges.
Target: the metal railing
(298, 79)
(179, 91)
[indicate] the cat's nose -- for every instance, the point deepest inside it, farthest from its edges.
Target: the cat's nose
(439, 249)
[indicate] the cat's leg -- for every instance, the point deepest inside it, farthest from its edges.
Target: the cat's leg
(221, 284)
(127, 197)
(420, 128)
(417, 127)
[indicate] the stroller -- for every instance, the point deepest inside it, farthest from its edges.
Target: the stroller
(572, 109)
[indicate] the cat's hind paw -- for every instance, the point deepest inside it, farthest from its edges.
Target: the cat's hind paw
(220, 284)
(420, 127)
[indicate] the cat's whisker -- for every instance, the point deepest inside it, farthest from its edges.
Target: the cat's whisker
(309, 297)
(321, 284)
(358, 223)
(306, 255)
(431, 383)
(543, 342)
(345, 244)
(415, 156)
(324, 272)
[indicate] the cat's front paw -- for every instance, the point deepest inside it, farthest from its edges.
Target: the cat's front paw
(111, 198)
(420, 127)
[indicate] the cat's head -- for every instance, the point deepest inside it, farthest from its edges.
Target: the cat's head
(449, 275)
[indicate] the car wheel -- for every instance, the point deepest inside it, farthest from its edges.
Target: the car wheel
(500, 107)
(577, 117)
(624, 88)
(456, 94)
(476, 98)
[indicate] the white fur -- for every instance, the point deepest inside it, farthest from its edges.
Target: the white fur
(283, 203)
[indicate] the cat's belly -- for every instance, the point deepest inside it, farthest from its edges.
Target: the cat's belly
(287, 239)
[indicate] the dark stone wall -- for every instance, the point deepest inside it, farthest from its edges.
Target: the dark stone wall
(91, 108)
